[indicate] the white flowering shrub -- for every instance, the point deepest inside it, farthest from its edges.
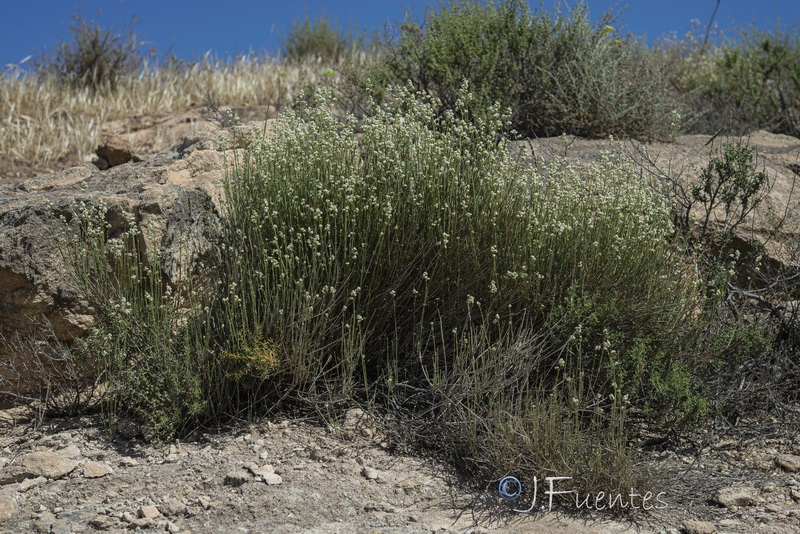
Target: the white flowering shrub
(410, 259)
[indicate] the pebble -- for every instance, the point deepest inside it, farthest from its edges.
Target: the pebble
(148, 512)
(272, 479)
(370, 473)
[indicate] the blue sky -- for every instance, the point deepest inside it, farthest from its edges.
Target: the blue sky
(188, 29)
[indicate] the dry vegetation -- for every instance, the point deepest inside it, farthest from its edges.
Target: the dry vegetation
(45, 120)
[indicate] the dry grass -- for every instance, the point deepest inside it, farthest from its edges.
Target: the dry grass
(45, 120)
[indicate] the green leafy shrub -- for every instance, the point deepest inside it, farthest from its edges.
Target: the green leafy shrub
(148, 345)
(96, 57)
(421, 266)
(745, 83)
(556, 72)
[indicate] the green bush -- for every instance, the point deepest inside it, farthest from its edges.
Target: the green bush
(514, 316)
(745, 83)
(149, 343)
(319, 40)
(556, 72)
(96, 57)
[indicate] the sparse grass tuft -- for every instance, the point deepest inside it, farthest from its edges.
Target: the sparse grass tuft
(318, 41)
(96, 58)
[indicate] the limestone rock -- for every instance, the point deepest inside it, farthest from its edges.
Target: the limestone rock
(789, 462)
(698, 527)
(114, 151)
(96, 469)
(46, 464)
(8, 505)
(735, 496)
(37, 300)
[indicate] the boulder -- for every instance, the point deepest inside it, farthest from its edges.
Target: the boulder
(175, 199)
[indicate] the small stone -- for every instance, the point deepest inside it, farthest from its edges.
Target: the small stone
(172, 527)
(116, 150)
(730, 497)
(261, 470)
(263, 456)
(148, 512)
(698, 527)
(128, 461)
(796, 494)
(237, 477)
(204, 501)
(8, 505)
(370, 473)
(102, 522)
(272, 479)
(171, 459)
(128, 517)
(29, 483)
(774, 508)
(96, 469)
(788, 462)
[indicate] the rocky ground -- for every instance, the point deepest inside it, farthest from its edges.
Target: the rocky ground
(289, 476)
(294, 476)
